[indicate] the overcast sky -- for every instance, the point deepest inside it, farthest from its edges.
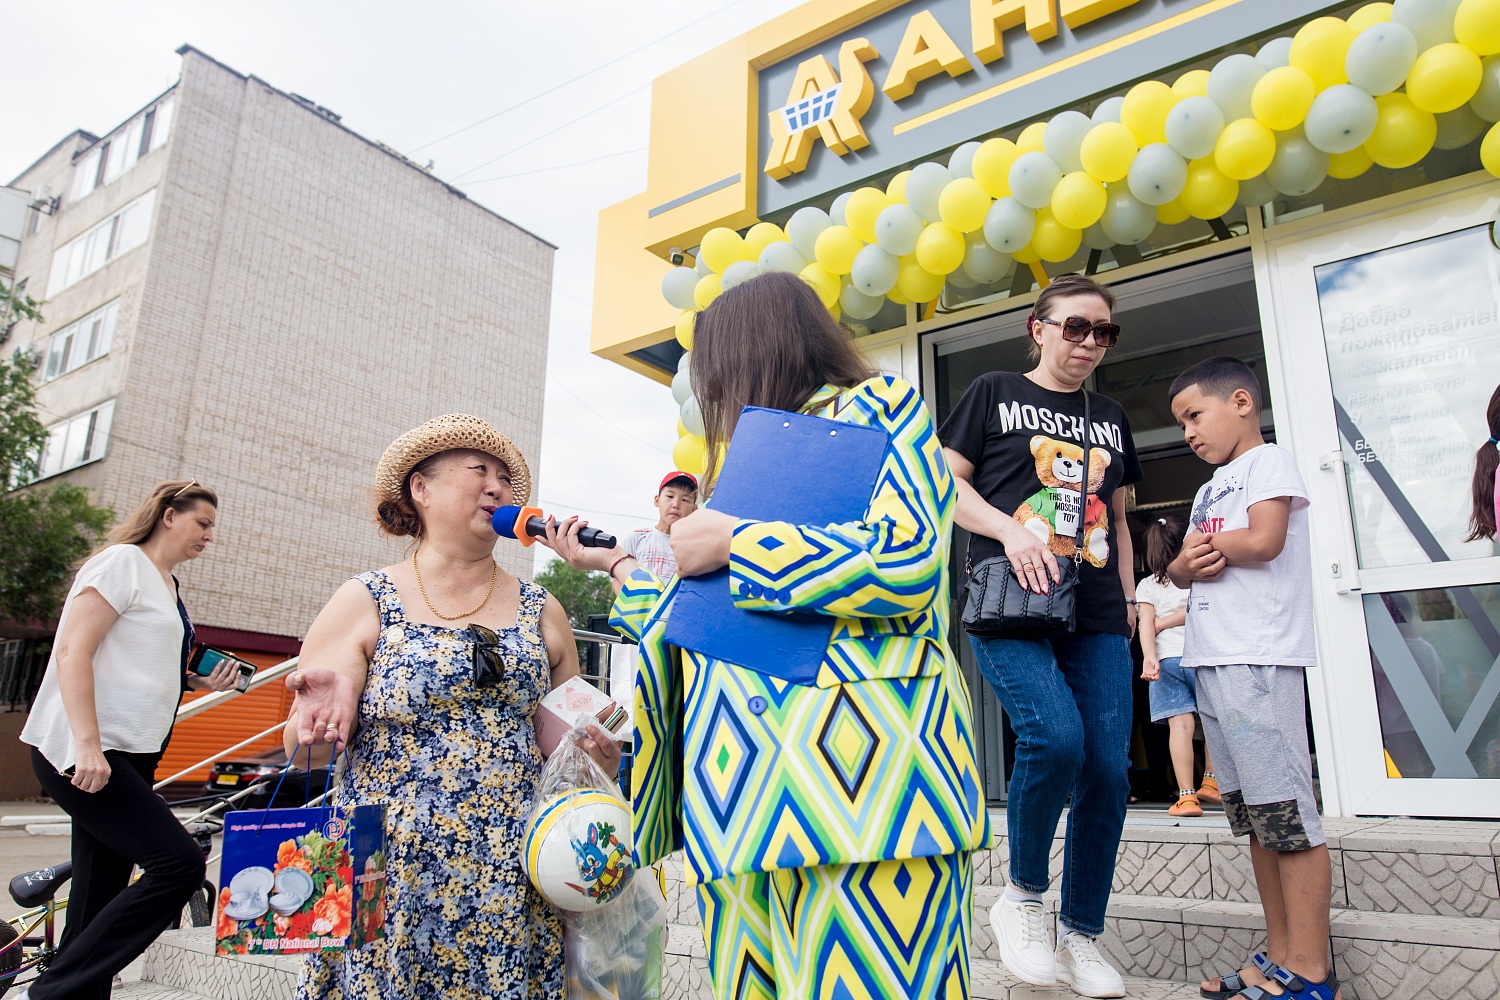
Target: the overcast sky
(408, 75)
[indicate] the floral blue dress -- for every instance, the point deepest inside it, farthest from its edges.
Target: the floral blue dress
(455, 765)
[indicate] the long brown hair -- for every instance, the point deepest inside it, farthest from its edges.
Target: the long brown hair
(182, 495)
(1163, 540)
(768, 342)
(1486, 466)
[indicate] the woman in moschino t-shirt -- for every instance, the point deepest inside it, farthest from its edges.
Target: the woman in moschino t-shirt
(1015, 442)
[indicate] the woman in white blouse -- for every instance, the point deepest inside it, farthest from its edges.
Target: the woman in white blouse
(98, 727)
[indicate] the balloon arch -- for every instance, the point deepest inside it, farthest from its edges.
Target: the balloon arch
(1383, 87)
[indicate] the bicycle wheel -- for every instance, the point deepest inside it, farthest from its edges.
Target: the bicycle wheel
(10, 960)
(198, 912)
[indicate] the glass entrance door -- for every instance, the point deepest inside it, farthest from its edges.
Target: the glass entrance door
(1387, 336)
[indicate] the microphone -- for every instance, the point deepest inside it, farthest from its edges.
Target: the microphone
(526, 524)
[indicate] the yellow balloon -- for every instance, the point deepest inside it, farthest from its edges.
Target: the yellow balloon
(707, 289)
(895, 296)
(1369, 15)
(861, 210)
(824, 282)
(1208, 194)
(1172, 213)
(1053, 241)
(681, 428)
(1350, 164)
(963, 204)
(1477, 25)
(940, 249)
(1028, 254)
(1489, 150)
(1107, 151)
(992, 162)
(722, 247)
(760, 236)
(1319, 48)
(1078, 200)
(835, 249)
(1145, 110)
(1245, 149)
(835, 311)
(916, 283)
(1403, 132)
(685, 323)
(1281, 98)
(690, 454)
(1444, 77)
(895, 190)
(1030, 139)
(1193, 83)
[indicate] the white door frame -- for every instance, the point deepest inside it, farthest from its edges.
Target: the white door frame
(1342, 688)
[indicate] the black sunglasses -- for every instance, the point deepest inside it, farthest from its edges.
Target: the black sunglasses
(489, 664)
(1076, 329)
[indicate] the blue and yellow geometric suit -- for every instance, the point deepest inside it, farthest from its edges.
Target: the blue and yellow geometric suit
(826, 826)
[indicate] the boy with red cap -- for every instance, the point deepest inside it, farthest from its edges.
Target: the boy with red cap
(676, 498)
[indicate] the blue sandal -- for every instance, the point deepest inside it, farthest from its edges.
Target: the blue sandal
(1231, 985)
(1296, 987)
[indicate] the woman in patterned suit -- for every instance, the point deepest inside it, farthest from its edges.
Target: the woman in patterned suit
(827, 826)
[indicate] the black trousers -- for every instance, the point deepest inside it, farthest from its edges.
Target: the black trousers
(110, 921)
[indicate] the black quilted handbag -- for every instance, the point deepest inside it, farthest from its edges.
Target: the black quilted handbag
(998, 607)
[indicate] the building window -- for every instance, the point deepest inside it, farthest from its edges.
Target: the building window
(77, 440)
(123, 231)
(81, 342)
(106, 161)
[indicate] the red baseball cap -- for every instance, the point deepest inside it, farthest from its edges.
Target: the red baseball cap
(675, 475)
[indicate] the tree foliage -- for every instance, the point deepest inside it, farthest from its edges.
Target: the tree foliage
(581, 593)
(21, 432)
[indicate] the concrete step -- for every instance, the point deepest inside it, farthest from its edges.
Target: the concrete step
(153, 991)
(184, 960)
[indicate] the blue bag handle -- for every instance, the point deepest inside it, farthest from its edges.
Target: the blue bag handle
(327, 782)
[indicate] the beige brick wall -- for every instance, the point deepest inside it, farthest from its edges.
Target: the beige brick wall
(304, 298)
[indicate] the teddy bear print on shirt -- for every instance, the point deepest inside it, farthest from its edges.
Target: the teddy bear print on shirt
(1052, 512)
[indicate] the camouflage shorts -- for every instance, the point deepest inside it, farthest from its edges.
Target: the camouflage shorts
(1277, 825)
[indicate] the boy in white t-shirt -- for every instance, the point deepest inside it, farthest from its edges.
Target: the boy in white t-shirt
(1249, 637)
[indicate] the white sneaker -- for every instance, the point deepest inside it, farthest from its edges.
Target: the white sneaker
(1021, 930)
(1080, 966)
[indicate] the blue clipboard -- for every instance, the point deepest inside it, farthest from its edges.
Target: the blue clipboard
(780, 467)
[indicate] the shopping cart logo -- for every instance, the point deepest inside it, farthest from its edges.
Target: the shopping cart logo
(810, 110)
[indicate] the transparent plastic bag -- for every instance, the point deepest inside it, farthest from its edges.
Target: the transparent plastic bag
(614, 917)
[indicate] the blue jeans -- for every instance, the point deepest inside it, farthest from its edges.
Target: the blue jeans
(1069, 702)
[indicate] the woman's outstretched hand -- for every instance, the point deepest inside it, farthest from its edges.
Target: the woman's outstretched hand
(562, 538)
(326, 708)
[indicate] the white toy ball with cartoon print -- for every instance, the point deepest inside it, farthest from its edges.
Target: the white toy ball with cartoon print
(578, 850)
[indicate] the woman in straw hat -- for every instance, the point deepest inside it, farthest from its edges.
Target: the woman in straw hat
(390, 673)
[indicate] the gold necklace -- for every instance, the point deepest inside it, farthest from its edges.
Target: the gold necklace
(494, 575)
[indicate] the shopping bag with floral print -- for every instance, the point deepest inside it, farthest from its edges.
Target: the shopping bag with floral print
(308, 879)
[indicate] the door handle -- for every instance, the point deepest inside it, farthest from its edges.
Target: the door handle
(1344, 570)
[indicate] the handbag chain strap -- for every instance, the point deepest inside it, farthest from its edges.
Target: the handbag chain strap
(1083, 483)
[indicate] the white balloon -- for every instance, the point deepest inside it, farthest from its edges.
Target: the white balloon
(1157, 175)
(1458, 128)
(897, 228)
(691, 416)
(1231, 82)
(1341, 119)
(857, 304)
(836, 211)
(701, 268)
(924, 187)
(1193, 126)
(958, 279)
(982, 262)
(677, 287)
(1275, 53)
(1063, 137)
(1108, 110)
(1380, 57)
(961, 163)
(1008, 225)
(803, 229)
(682, 387)
(1095, 238)
(1431, 21)
(1126, 219)
(684, 361)
(781, 256)
(1255, 192)
(1298, 166)
(1032, 178)
(740, 272)
(1486, 101)
(875, 271)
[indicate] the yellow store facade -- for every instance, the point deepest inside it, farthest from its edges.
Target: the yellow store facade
(1303, 186)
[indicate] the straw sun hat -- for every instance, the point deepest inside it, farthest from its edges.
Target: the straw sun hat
(456, 430)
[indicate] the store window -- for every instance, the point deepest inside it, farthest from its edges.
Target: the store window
(81, 342)
(77, 441)
(110, 159)
(121, 232)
